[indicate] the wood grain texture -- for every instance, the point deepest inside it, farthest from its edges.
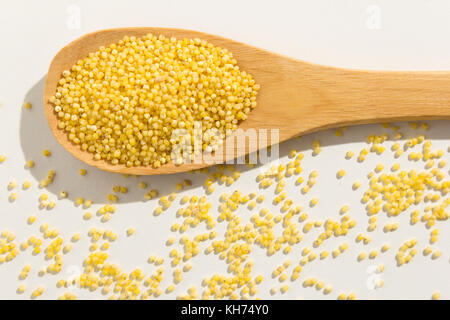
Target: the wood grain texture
(296, 97)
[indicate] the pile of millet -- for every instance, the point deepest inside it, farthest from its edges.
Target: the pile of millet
(125, 102)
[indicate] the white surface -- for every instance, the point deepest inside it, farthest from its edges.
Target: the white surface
(360, 34)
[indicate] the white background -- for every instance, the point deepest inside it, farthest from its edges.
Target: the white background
(397, 35)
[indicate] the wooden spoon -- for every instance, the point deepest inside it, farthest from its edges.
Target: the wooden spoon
(296, 97)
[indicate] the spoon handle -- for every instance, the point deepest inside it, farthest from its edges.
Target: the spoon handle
(353, 97)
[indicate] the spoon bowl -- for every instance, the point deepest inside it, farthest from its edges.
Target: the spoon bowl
(295, 98)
